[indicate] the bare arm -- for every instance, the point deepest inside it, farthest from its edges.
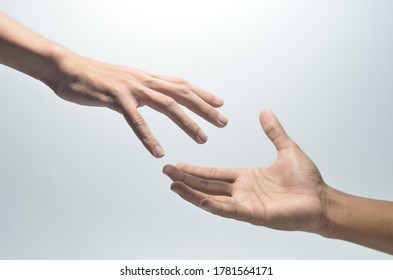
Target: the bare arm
(88, 82)
(364, 221)
(288, 195)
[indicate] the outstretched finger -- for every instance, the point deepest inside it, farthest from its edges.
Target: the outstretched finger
(142, 131)
(275, 131)
(223, 209)
(188, 194)
(171, 109)
(186, 96)
(194, 196)
(228, 175)
(205, 95)
(211, 187)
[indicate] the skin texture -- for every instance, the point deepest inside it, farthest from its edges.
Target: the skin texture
(88, 82)
(288, 195)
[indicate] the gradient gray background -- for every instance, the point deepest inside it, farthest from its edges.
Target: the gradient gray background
(76, 183)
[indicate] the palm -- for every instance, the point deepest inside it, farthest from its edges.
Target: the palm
(284, 196)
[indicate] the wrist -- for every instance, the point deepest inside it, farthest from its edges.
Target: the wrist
(363, 221)
(28, 52)
(56, 57)
(332, 209)
(340, 220)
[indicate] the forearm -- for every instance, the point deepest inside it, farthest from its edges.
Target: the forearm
(28, 52)
(359, 220)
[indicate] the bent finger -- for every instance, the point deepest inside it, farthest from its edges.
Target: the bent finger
(141, 130)
(223, 209)
(208, 97)
(171, 109)
(188, 194)
(187, 97)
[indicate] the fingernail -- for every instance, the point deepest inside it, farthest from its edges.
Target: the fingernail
(223, 120)
(202, 136)
(174, 189)
(165, 168)
(158, 152)
(219, 101)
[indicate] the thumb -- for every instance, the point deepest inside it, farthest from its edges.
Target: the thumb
(275, 131)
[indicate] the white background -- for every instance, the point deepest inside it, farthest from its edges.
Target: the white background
(111, 269)
(75, 183)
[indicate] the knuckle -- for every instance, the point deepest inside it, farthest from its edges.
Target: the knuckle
(211, 111)
(119, 96)
(184, 89)
(212, 172)
(147, 138)
(182, 82)
(118, 90)
(169, 103)
(150, 82)
(274, 132)
(140, 91)
(139, 127)
(139, 94)
(138, 123)
(193, 197)
(191, 125)
(204, 185)
(278, 134)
